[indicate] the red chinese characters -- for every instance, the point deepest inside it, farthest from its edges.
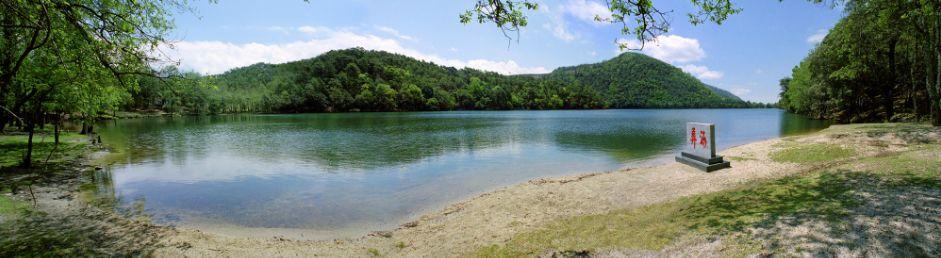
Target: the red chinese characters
(703, 140)
(700, 139)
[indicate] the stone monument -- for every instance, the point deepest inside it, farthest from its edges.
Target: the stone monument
(700, 150)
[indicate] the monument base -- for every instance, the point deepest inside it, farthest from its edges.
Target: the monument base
(707, 165)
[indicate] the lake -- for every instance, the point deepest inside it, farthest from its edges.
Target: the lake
(347, 174)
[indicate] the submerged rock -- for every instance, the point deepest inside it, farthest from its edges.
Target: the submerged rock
(410, 224)
(386, 234)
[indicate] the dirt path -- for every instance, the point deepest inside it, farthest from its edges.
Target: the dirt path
(496, 216)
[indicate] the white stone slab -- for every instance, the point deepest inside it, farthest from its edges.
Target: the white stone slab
(701, 140)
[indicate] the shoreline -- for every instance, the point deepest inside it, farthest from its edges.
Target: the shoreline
(497, 215)
(459, 206)
(352, 233)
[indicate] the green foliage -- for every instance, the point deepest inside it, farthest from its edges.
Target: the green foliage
(10, 207)
(373, 252)
(77, 57)
(635, 80)
(506, 14)
(381, 81)
(877, 64)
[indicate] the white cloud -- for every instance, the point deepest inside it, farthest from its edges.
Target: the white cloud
(593, 53)
(395, 33)
(817, 37)
(669, 48)
(559, 30)
(584, 10)
(676, 50)
(702, 72)
(505, 67)
(313, 30)
(213, 57)
(587, 10)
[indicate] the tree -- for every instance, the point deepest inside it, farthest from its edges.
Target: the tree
(55, 48)
(856, 73)
(385, 97)
(411, 98)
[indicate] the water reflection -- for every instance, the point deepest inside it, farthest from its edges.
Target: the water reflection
(360, 172)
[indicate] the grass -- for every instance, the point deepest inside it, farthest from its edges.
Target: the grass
(25, 232)
(811, 153)
(37, 234)
(826, 194)
(13, 148)
(10, 207)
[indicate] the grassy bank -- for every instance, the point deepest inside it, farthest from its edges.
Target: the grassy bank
(42, 213)
(45, 152)
(847, 199)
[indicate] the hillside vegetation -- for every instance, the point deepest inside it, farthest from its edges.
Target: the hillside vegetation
(879, 63)
(637, 80)
(363, 80)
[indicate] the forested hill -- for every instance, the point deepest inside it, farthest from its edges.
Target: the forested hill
(363, 80)
(637, 80)
(876, 64)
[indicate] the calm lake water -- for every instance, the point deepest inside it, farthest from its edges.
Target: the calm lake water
(357, 172)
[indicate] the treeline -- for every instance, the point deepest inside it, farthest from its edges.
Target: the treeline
(361, 80)
(879, 63)
(357, 80)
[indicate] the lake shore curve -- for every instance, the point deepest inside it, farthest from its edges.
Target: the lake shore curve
(496, 216)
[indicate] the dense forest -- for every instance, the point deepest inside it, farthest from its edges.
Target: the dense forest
(637, 80)
(363, 80)
(879, 63)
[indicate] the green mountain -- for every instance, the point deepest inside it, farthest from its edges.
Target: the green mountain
(364, 80)
(722, 92)
(637, 80)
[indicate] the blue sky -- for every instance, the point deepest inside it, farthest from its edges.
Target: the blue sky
(746, 55)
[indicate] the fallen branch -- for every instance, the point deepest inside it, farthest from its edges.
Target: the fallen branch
(31, 195)
(12, 114)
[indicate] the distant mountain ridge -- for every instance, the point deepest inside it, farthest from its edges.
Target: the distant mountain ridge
(364, 80)
(636, 80)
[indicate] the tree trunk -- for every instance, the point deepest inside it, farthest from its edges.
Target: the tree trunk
(931, 83)
(913, 93)
(28, 158)
(888, 98)
(55, 129)
(936, 99)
